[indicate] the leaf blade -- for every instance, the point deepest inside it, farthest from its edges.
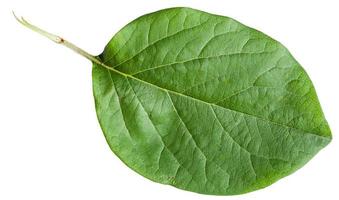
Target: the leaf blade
(154, 94)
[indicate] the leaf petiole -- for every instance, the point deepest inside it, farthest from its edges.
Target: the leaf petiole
(57, 39)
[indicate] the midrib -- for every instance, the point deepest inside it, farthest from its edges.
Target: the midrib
(201, 101)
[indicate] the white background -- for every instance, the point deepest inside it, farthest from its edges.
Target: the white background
(51, 145)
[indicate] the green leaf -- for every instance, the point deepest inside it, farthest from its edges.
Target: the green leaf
(203, 102)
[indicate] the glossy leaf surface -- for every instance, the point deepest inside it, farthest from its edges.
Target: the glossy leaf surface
(205, 103)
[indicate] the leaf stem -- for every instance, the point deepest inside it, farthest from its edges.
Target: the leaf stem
(57, 39)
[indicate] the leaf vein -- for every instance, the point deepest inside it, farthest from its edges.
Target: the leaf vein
(154, 43)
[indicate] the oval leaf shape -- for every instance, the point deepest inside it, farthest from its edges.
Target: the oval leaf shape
(205, 103)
